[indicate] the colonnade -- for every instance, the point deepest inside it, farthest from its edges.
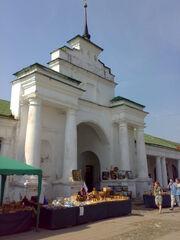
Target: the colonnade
(161, 170)
(124, 150)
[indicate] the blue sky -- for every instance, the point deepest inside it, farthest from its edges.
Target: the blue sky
(140, 38)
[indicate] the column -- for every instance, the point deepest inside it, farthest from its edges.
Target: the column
(5, 145)
(21, 132)
(178, 166)
(132, 147)
(124, 146)
(70, 145)
(164, 172)
(158, 170)
(33, 133)
(141, 160)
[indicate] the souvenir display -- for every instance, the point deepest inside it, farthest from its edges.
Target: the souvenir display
(105, 175)
(130, 174)
(76, 175)
(115, 173)
(14, 207)
(83, 198)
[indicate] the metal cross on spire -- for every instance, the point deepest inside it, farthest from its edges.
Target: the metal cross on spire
(86, 33)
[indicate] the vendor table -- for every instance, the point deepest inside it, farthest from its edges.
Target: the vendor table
(59, 218)
(92, 213)
(17, 222)
(149, 201)
(119, 208)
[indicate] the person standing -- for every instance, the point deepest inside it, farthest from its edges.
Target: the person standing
(158, 195)
(172, 188)
(177, 185)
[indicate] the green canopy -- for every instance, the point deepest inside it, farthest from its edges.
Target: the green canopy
(10, 166)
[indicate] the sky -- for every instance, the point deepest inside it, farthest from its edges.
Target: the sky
(140, 38)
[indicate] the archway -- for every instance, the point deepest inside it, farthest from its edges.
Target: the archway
(93, 152)
(90, 168)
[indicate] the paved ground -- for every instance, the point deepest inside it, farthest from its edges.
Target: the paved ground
(143, 224)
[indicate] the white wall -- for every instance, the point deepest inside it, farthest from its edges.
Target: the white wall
(53, 125)
(82, 63)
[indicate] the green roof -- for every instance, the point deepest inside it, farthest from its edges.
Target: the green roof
(119, 98)
(160, 142)
(5, 108)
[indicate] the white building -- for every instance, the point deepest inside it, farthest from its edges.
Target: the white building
(66, 116)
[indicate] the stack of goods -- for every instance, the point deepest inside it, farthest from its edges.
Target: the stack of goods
(121, 190)
(14, 207)
(82, 199)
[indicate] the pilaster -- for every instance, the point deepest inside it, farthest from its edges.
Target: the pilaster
(141, 160)
(124, 146)
(33, 133)
(178, 166)
(164, 172)
(70, 145)
(158, 170)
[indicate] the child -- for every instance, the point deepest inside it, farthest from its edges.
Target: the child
(158, 195)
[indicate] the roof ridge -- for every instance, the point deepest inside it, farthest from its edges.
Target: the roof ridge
(173, 142)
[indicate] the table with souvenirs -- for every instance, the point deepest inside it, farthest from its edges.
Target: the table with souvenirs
(15, 218)
(80, 208)
(149, 199)
(83, 208)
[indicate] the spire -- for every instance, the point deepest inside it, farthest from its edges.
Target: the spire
(86, 34)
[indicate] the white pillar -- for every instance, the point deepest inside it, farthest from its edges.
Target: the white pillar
(21, 132)
(178, 165)
(115, 153)
(33, 133)
(164, 172)
(131, 148)
(158, 170)
(70, 145)
(124, 146)
(141, 160)
(5, 145)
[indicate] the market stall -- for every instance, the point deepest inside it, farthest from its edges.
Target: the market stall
(12, 214)
(149, 200)
(83, 208)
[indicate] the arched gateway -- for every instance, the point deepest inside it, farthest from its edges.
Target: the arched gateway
(89, 164)
(92, 150)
